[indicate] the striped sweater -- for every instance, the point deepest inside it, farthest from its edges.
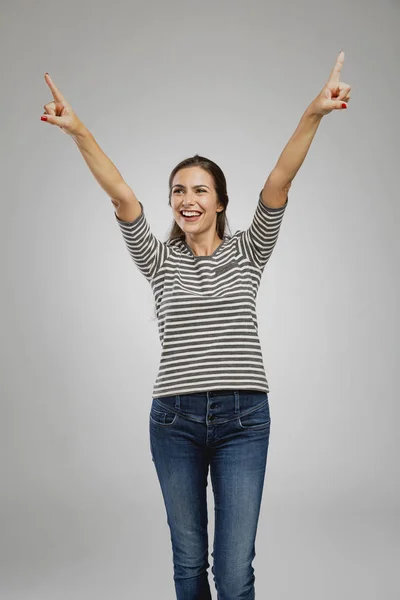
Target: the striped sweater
(206, 305)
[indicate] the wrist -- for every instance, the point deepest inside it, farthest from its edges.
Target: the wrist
(80, 132)
(312, 114)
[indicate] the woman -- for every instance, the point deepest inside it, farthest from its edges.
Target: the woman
(210, 406)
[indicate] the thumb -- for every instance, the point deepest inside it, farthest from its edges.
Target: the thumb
(53, 120)
(339, 104)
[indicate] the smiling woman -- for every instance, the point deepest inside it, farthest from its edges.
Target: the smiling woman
(211, 375)
(210, 406)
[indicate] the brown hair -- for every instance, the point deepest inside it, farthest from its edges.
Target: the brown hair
(220, 188)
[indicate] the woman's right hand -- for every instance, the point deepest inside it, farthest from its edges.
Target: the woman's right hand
(59, 112)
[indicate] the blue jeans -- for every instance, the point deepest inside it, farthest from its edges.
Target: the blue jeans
(228, 431)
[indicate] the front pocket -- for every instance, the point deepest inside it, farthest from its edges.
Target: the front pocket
(257, 419)
(161, 417)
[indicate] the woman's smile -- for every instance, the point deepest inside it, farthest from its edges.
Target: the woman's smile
(191, 218)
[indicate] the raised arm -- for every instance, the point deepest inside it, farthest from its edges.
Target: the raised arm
(59, 112)
(334, 96)
(127, 207)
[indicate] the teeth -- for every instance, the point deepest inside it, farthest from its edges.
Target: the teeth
(190, 214)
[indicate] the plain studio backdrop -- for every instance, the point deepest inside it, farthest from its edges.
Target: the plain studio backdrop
(82, 514)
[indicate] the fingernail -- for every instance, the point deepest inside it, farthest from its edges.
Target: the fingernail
(43, 118)
(344, 105)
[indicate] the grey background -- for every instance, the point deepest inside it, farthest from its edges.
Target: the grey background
(82, 514)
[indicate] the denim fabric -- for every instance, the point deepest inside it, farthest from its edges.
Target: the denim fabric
(227, 431)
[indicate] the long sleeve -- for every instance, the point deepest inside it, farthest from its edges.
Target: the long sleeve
(258, 241)
(147, 252)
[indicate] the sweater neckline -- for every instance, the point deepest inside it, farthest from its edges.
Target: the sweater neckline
(217, 249)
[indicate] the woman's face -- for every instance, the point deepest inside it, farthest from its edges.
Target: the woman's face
(193, 190)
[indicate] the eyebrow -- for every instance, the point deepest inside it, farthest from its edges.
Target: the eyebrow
(194, 187)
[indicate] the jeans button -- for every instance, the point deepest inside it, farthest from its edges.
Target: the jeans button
(211, 417)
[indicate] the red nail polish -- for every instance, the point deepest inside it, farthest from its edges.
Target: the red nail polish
(43, 118)
(344, 105)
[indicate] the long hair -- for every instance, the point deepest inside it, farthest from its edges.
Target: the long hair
(220, 188)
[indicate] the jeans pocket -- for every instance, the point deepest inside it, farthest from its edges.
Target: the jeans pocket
(259, 418)
(160, 416)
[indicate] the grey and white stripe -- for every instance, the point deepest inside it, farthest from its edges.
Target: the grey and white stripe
(206, 305)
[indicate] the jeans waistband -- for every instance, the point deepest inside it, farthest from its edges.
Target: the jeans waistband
(224, 404)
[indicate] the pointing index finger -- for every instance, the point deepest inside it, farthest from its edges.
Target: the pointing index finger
(335, 75)
(57, 95)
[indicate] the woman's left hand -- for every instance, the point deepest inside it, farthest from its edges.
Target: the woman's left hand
(335, 95)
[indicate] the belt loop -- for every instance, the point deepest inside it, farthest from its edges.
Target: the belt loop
(177, 401)
(237, 402)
